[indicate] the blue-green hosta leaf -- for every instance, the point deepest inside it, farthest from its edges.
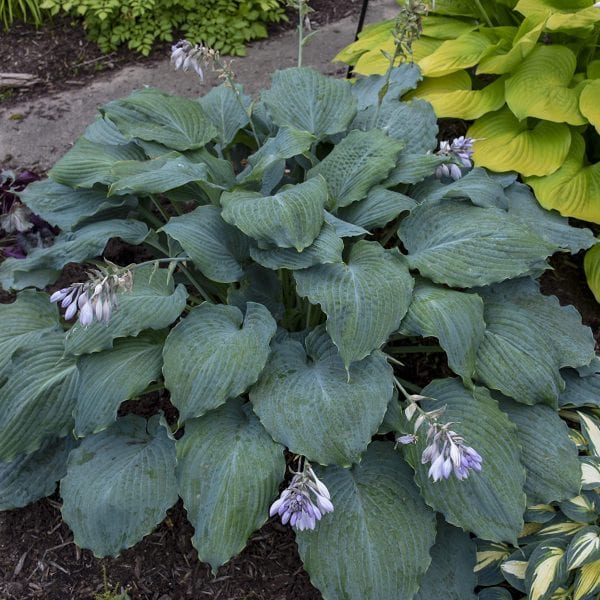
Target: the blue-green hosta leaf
(258, 285)
(413, 123)
(546, 569)
(119, 485)
(546, 450)
(88, 163)
(151, 115)
(584, 547)
(42, 265)
(379, 208)
(308, 401)
(450, 574)
(24, 322)
(360, 161)
(288, 142)
(455, 318)
(490, 503)
(37, 397)
(462, 245)
(411, 168)
(226, 110)
(494, 593)
(352, 553)
(290, 219)
(364, 298)
(102, 131)
(110, 377)
(327, 248)
(228, 469)
(153, 303)
(32, 476)
(343, 228)
(214, 354)
(580, 391)
(305, 99)
(517, 356)
(67, 208)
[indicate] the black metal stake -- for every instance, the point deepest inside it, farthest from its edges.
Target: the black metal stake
(359, 28)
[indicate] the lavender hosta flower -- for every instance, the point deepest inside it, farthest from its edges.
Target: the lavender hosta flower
(185, 56)
(16, 219)
(304, 501)
(459, 153)
(447, 453)
(406, 440)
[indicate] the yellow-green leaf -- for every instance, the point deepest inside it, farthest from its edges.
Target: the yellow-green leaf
(540, 86)
(506, 144)
(591, 264)
(371, 37)
(589, 102)
(446, 28)
(574, 189)
(588, 580)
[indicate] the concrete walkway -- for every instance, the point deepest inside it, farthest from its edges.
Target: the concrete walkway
(36, 133)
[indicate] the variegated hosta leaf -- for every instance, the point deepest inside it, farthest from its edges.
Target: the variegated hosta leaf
(308, 401)
(514, 570)
(516, 341)
(541, 86)
(224, 108)
(214, 354)
(119, 485)
(67, 208)
(42, 265)
(587, 582)
(152, 115)
(591, 264)
(29, 318)
(376, 542)
(582, 508)
(291, 218)
(37, 397)
(364, 298)
(131, 365)
(32, 476)
(503, 143)
(489, 557)
(590, 427)
(305, 99)
(455, 318)
(540, 513)
(584, 547)
(546, 569)
(590, 472)
(490, 503)
(217, 249)
(494, 593)
(462, 245)
(450, 574)
(360, 161)
(546, 450)
(228, 469)
(153, 303)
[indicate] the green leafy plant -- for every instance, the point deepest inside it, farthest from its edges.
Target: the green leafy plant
(528, 74)
(25, 10)
(226, 25)
(306, 243)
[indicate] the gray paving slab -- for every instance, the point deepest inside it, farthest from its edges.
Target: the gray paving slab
(36, 133)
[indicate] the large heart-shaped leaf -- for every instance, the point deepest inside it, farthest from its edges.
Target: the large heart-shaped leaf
(503, 143)
(149, 114)
(217, 249)
(455, 318)
(516, 341)
(304, 99)
(119, 485)
(153, 303)
(462, 245)
(290, 219)
(214, 354)
(228, 470)
(536, 425)
(37, 397)
(364, 298)
(132, 363)
(490, 503)
(308, 401)
(588, 104)
(351, 554)
(360, 161)
(591, 264)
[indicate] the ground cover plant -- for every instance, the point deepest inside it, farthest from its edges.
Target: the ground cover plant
(527, 73)
(293, 249)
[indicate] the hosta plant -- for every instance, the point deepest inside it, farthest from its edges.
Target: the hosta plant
(292, 250)
(527, 73)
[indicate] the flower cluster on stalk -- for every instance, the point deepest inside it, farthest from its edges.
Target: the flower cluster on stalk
(186, 56)
(95, 299)
(459, 153)
(305, 500)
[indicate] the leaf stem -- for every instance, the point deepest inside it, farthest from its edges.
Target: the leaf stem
(483, 13)
(404, 385)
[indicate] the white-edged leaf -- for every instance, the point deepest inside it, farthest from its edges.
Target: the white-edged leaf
(228, 471)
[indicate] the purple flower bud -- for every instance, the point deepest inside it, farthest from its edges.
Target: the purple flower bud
(86, 314)
(71, 310)
(405, 440)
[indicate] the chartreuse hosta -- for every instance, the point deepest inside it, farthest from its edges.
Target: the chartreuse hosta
(527, 73)
(295, 247)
